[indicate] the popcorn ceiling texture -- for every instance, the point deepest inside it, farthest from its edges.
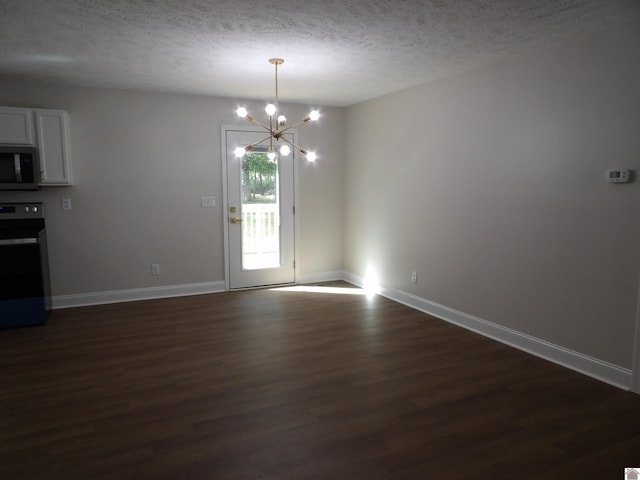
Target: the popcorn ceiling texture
(337, 52)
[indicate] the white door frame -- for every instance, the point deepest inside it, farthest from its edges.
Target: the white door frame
(225, 203)
(635, 367)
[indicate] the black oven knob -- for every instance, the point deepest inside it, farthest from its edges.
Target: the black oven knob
(35, 209)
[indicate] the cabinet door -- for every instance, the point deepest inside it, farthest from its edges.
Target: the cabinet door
(16, 126)
(53, 142)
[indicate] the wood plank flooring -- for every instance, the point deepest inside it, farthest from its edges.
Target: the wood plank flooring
(272, 384)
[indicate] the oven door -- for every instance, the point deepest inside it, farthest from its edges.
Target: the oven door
(22, 290)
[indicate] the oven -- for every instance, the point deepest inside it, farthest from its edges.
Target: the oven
(25, 295)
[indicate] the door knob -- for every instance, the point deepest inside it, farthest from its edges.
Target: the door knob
(235, 220)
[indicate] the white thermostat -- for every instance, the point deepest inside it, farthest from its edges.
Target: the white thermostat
(618, 176)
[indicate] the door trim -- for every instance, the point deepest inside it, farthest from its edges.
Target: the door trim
(225, 204)
(635, 367)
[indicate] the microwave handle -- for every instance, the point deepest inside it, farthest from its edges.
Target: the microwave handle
(18, 241)
(16, 162)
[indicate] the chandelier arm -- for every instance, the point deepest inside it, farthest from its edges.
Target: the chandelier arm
(271, 131)
(300, 122)
(250, 146)
(303, 151)
(253, 120)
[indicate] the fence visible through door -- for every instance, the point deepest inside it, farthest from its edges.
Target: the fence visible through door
(260, 236)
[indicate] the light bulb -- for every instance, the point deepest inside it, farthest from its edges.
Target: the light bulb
(285, 150)
(314, 115)
(282, 121)
(270, 109)
(311, 156)
(242, 112)
(240, 151)
(271, 154)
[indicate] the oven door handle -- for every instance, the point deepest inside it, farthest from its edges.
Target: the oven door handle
(19, 241)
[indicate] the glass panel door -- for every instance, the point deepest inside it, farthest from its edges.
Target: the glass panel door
(260, 212)
(259, 203)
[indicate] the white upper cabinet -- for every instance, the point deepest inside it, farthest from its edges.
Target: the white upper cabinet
(46, 129)
(16, 126)
(52, 128)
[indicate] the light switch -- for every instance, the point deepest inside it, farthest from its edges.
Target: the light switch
(208, 201)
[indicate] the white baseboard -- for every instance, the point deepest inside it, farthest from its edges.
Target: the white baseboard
(593, 367)
(134, 294)
(317, 277)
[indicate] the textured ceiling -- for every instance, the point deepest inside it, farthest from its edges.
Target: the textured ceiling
(337, 52)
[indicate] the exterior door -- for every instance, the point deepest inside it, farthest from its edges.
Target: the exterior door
(260, 216)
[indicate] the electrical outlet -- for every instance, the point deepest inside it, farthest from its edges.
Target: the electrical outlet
(414, 277)
(155, 269)
(66, 204)
(208, 202)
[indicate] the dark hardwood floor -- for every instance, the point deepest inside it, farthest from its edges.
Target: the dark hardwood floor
(269, 385)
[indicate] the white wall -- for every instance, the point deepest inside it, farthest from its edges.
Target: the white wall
(141, 162)
(490, 184)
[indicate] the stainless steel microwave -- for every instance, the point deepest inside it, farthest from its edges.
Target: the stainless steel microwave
(19, 168)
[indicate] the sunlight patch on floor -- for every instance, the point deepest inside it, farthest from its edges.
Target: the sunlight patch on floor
(321, 289)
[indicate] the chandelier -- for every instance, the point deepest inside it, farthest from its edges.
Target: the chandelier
(277, 127)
